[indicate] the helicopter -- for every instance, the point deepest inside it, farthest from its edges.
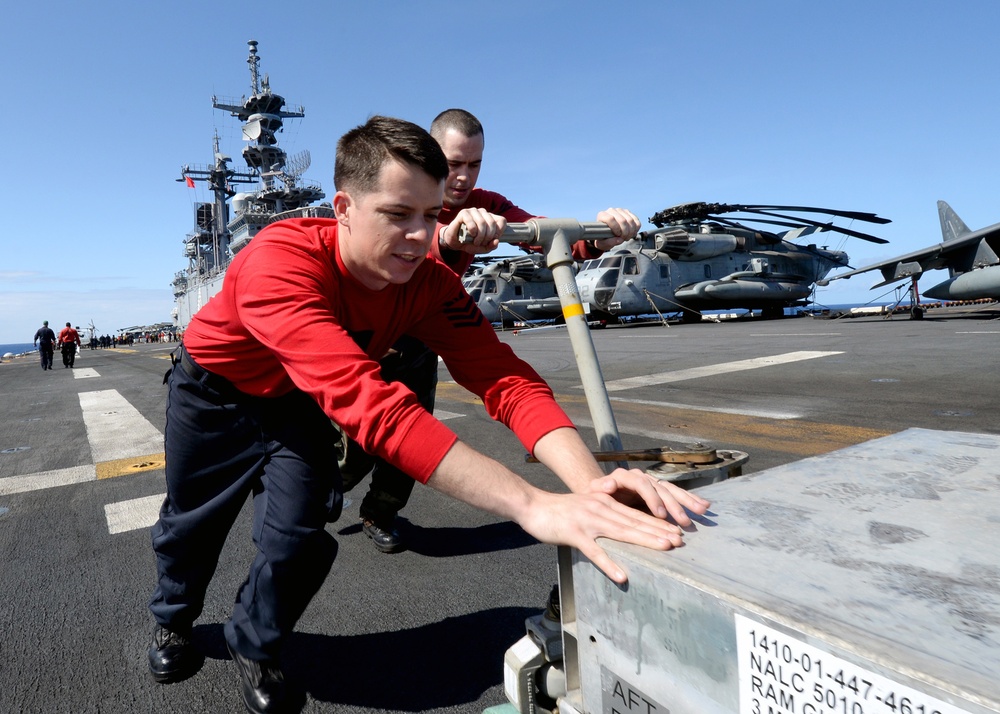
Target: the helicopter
(700, 258)
(513, 289)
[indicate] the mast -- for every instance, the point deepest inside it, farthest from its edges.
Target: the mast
(279, 191)
(208, 244)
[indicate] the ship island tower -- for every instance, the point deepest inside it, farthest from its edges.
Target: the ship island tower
(278, 192)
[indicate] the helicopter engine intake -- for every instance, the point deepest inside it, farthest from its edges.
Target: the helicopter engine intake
(679, 244)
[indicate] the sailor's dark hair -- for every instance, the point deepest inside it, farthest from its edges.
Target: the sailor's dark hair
(462, 121)
(363, 151)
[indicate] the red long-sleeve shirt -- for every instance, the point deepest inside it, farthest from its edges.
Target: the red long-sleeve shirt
(290, 315)
(499, 205)
(67, 335)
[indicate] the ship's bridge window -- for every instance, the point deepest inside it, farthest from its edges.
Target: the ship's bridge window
(612, 262)
(490, 287)
(630, 266)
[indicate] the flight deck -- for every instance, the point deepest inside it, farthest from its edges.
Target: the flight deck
(426, 629)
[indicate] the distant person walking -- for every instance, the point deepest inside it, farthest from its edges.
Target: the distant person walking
(45, 339)
(69, 340)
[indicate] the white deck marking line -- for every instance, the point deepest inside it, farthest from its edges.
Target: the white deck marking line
(796, 334)
(712, 370)
(138, 513)
(442, 415)
(677, 436)
(47, 479)
(133, 514)
(116, 429)
(85, 373)
(718, 410)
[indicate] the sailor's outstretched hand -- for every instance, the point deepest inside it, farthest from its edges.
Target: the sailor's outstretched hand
(579, 519)
(633, 487)
(622, 222)
(482, 231)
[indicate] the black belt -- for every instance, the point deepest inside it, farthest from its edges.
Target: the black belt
(200, 374)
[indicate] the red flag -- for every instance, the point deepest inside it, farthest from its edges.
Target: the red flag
(190, 181)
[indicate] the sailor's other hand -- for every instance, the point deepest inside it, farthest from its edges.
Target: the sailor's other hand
(482, 231)
(622, 222)
(633, 487)
(579, 519)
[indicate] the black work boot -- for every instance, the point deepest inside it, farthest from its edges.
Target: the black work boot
(263, 683)
(385, 538)
(172, 656)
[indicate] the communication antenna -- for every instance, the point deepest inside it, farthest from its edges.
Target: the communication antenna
(254, 61)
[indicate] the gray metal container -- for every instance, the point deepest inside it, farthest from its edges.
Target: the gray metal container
(864, 581)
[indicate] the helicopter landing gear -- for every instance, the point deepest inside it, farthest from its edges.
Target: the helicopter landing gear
(916, 312)
(772, 312)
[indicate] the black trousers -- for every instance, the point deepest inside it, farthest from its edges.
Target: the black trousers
(415, 366)
(68, 354)
(223, 446)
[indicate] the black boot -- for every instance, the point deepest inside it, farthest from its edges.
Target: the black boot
(385, 537)
(263, 683)
(172, 656)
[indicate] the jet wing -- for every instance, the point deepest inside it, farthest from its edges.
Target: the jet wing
(899, 268)
(961, 251)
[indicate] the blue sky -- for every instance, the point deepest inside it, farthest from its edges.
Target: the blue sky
(875, 106)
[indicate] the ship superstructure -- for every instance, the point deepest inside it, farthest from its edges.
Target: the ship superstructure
(278, 192)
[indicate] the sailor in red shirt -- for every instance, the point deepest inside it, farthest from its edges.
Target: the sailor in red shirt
(69, 340)
(290, 343)
(410, 362)
(462, 139)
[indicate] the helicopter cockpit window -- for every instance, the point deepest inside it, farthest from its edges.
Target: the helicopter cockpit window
(664, 271)
(475, 295)
(490, 287)
(630, 266)
(612, 262)
(708, 270)
(588, 264)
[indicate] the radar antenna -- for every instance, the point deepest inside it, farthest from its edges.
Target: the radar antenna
(298, 164)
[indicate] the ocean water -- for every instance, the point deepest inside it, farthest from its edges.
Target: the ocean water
(17, 348)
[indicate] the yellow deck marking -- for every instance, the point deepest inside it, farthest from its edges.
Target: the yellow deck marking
(798, 437)
(675, 423)
(134, 465)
